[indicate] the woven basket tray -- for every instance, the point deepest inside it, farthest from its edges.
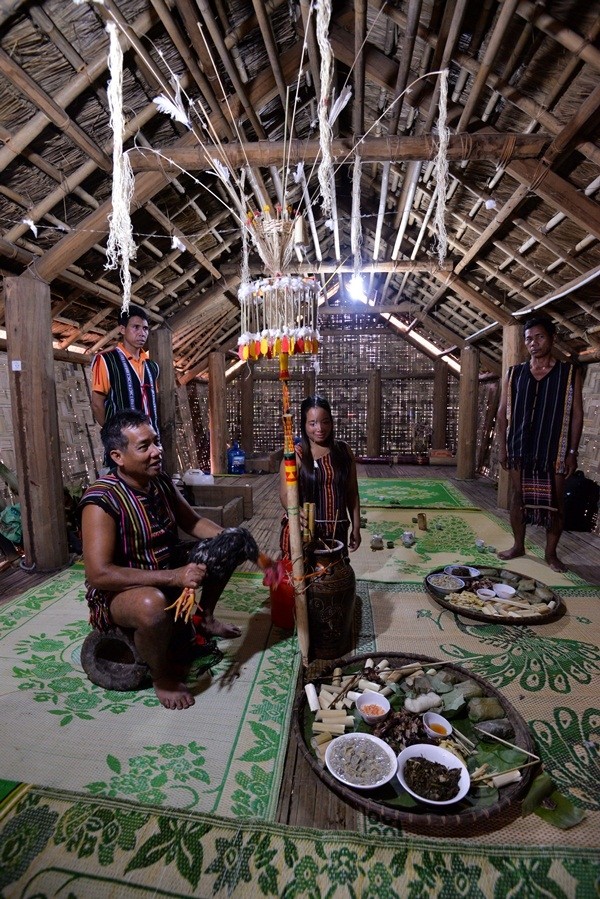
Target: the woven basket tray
(463, 820)
(557, 612)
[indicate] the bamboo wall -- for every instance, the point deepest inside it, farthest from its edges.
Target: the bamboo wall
(81, 451)
(343, 365)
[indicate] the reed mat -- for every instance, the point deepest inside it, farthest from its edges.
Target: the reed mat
(420, 493)
(98, 848)
(449, 539)
(223, 755)
(549, 673)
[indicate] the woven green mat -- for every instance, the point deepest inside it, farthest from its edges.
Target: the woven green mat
(224, 755)
(420, 493)
(450, 539)
(58, 844)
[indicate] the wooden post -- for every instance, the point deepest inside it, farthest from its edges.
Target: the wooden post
(247, 392)
(310, 383)
(512, 353)
(35, 421)
(217, 413)
(467, 414)
(374, 413)
(160, 347)
(440, 404)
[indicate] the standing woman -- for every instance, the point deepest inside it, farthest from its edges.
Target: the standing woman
(327, 477)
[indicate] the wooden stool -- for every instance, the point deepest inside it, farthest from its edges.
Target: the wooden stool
(111, 661)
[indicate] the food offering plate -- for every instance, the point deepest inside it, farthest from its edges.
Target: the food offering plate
(534, 602)
(486, 807)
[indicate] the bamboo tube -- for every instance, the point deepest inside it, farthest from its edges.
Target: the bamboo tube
(296, 548)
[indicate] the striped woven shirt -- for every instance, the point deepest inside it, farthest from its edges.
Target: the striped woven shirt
(146, 531)
(539, 417)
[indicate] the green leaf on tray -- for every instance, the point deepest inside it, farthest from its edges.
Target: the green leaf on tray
(559, 811)
(453, 701)
(544, 800)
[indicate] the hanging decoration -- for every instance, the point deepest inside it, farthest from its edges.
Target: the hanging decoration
(120, 247)
(441, 170)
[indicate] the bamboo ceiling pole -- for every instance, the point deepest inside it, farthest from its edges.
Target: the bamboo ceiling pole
(293, 511)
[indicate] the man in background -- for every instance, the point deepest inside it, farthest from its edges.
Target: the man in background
(540, 419)
(124, 377)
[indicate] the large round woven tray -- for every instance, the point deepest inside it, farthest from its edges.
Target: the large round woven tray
(557, 612)
(463, 820)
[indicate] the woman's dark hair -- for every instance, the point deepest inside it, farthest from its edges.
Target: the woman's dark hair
(542, 321)
(340, 458)
(112, 435)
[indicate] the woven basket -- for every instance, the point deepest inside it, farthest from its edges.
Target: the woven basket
(465, 820)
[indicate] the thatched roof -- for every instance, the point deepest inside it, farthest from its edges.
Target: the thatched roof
(522, 216)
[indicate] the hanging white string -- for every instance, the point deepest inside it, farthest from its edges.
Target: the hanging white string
(120, 247)
(441, 170)
(356, 224)
(325, 172)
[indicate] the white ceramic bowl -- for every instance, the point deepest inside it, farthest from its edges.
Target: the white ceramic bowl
(486, 594)
(431, 721)
(434, 754)
(339, 750)
(503, 591)
(368, 698)
(445, 583)
(457, 570)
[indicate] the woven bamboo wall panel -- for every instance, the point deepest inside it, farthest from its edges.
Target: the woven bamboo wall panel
(589, 448)
(80, 447)
(341, 371)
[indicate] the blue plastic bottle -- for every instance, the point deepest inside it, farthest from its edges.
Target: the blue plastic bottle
(236, 459)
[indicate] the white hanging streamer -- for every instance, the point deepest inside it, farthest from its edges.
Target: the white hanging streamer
(325, 172)
(441, 170)
(120, 247)
(356, 224)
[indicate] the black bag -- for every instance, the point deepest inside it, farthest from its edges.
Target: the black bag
(581, 502)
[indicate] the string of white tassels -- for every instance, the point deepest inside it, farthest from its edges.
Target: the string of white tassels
(120, 247)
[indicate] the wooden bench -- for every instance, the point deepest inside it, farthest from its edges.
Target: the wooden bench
(222, 494)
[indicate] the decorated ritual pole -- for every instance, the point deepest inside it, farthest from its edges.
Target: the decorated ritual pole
(293, 510)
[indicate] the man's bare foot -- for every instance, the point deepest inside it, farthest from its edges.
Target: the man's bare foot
(513, 553)
(215, 628)
(173, 695)
(555, 563)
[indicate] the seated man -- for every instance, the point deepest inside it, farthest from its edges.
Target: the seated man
(130, 548)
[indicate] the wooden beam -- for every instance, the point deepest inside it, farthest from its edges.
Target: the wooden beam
(467, 415)
(393, 148)
(558, 193)
(35, 421)
(374, 413)
(512, 354)
(160, 346)
(217, 413)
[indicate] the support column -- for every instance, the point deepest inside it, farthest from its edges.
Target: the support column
(440, 404)
(309, 383)
(512, 354)
(247, 397)
(374, 413)
(160, 347)
(467, 414)
(35, 421)
(217, 413)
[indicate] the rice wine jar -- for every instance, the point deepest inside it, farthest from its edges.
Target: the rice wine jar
(330, 599)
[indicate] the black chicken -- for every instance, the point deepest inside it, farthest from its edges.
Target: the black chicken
(222, 555)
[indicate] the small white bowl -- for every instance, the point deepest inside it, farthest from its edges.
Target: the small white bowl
(503, 591)
(334, 760)
(434, 754)
(370, 697)
(486, 594)
(431, 721)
